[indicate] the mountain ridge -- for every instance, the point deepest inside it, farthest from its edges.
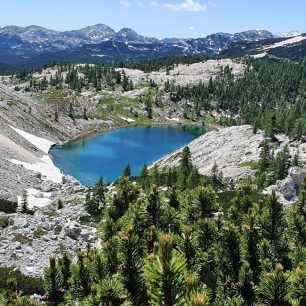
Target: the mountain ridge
(33, 45)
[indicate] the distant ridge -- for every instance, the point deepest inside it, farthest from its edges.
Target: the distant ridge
(34, 45)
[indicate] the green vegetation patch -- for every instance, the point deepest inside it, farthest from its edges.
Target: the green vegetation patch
(8, 206)
(250, 164)
(4, 221)
(22, 238)
(13, 279)
(39, 233)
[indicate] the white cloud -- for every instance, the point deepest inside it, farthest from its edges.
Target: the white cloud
(125, 3)
(187, 5)
(154, 3)
(191, 28)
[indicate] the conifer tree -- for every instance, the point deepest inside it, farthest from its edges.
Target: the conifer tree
(112, 293)
(64, 265)
(206, 201)
(80, 277)
(127, 171)
(274, 287)
(53, 283)
(132, 268)
(173, 199)
(154, 207)
(165, 275)
(144, 177)
(24, 202)
(273, 224)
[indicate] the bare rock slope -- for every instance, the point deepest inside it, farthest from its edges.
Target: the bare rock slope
(26, 135)
(232, 149)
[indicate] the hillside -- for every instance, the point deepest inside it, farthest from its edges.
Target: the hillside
(232, 173)
(280, 49)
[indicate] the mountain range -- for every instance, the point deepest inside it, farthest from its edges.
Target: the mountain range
(33, 45)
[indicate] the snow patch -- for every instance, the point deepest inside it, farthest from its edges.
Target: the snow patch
(36, 198)
(46, 167)
(127, 119)
(40, 143)
(260, 55)
(98, 55)
(286, 42)
(173, 119)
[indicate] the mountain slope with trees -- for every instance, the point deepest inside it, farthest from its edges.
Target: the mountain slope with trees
(186, 244)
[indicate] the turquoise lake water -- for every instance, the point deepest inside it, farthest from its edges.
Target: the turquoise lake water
(106, 154)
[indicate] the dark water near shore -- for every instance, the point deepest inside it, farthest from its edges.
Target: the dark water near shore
(106, 154)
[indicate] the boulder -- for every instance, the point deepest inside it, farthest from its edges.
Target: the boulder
(72, 229)
(20, 222)
(287, 188)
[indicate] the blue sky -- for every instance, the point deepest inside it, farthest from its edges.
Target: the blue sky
(159, 18)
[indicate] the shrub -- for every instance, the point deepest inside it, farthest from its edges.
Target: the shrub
(8, 206)
(4, 221)
(22, 238)
(12, 279)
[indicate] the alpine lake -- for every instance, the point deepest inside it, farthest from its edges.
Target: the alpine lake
(107, 153)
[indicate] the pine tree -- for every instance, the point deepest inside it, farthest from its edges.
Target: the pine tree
(206, 201)
(95, 200)
(156, 179)
(144, 177)
(127, 171)
(265, 156)
(132, 268)
(246, 285)
(80, 277)
(173, 199)
(274, 224)
(165, 275)
(125, 83)
(56, 116)
(90, 204)
(231, 256)
(111, 293)
(250, 249)
(53, 283)
(299, 285)
(154, 207)
(184, 168)
(64, 265)
(274, 287)
(127, 194)
(24, 202)
(59, 204)
(98, 194)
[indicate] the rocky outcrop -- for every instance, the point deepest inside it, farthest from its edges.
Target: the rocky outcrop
(26, 133)
(288, 189)
(188, 74)
(233, 149)
(29, 240)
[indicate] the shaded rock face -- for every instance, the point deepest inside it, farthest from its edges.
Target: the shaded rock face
(288, 189)
(230, 148)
